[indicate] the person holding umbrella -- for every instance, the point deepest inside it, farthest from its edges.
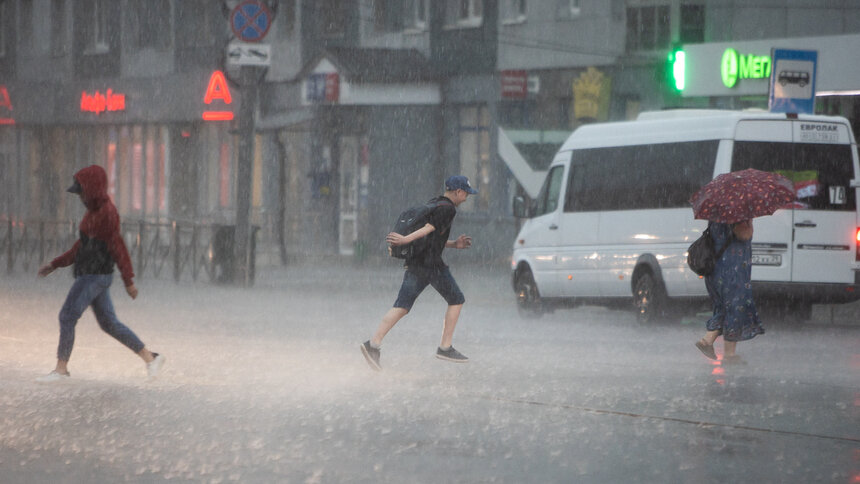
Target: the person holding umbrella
(729, 203)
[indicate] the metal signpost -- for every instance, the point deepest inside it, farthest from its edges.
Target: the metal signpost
(250, 21)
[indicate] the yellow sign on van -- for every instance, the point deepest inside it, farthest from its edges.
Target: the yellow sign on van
(591, 92)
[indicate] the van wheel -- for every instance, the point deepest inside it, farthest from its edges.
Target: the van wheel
(529, 304)
(649, 299)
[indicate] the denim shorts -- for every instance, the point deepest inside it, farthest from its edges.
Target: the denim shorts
(416, 279)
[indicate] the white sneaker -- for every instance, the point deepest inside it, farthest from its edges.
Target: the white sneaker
(53, 377)
(154, 366)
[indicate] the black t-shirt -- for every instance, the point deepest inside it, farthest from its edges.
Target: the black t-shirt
(441, 219)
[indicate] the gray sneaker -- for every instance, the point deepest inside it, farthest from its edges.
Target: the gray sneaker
(451, 355)
(371, 354)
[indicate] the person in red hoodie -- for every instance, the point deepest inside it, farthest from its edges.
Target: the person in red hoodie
(100, 247)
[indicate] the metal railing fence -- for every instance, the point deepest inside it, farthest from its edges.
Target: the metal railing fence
(182, 250)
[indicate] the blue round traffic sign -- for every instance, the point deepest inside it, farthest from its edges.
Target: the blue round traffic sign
(250, 20)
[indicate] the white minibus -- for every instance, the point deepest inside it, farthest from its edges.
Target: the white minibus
(613, 218)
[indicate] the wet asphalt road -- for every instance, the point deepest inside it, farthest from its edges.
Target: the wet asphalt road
(268, 385)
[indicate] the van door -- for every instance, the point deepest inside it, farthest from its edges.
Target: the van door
(578, 255)
(767, 146)
(540, 236)
(812, 240)
(824, 216)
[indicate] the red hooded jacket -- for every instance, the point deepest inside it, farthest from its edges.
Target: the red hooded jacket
(100, 244)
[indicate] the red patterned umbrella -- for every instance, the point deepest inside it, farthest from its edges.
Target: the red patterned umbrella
(742, 195)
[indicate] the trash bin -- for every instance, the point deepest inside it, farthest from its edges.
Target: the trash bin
(224, 253)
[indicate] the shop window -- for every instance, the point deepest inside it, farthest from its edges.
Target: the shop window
(111, 162)
(474, 130)
(224, 175)
(464, 13)
(137, 169)
(648, 28)
(692, 24)
(517, 114)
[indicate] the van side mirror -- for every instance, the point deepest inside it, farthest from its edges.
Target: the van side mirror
(520, 207)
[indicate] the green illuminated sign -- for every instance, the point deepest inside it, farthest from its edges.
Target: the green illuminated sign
(677, 61)
(736, 66)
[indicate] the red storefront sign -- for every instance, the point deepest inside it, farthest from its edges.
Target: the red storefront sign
(218, 90)
(515, 84)
(5, 107)
(99, 103)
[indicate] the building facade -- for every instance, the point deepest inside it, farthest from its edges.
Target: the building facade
(365, 107)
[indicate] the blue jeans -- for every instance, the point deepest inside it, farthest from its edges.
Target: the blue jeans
(92, 290)
(417, 278)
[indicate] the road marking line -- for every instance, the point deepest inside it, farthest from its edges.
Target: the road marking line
(669, 419)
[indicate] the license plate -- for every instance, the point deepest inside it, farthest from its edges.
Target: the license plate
(767, 259)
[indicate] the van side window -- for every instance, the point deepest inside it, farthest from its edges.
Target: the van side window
(547, 200)
(661, 175)
(821, 173)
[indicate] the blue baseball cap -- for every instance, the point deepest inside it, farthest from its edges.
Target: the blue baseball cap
(459, 182)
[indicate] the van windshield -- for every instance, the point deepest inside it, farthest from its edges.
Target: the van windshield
(821, 173)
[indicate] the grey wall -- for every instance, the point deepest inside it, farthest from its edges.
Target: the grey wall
(765, 19)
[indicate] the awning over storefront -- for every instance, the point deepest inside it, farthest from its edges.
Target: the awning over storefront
(352, 76)
(182, 98)
(530, 179)
(285, 119)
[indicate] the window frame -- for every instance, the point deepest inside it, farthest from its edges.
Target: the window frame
(415, 15)
(335, 10)
(660, 33)
(97, 43)
(4, 21)
(514, 12)
(162, 26)
(25, 25)
(682, 167)
(59, 29)
(464, 13)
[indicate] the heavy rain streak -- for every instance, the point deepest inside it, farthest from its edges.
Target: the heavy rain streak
(460, 241)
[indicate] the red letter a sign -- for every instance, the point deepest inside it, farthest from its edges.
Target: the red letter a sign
(217, 89)
(5, 102)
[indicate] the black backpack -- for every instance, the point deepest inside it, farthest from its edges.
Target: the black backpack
(702, 256)
(409, 221)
